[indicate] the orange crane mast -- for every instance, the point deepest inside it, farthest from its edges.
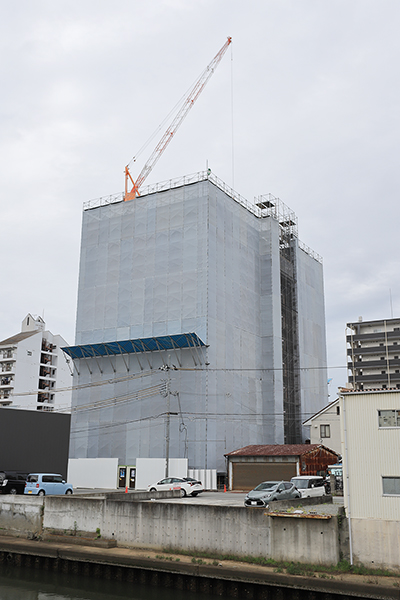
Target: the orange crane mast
(191, 98)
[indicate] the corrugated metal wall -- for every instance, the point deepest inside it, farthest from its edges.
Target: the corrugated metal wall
(373, 452)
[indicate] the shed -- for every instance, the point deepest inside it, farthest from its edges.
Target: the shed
(250, 465)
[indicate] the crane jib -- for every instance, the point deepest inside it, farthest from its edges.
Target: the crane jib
(190, 99)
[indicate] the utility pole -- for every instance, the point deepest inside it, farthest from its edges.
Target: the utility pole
(167, 395)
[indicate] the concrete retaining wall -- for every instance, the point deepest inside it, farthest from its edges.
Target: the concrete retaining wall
(20, 515)
(196, 528)
(376, 543)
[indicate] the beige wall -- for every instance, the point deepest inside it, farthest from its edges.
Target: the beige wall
(372, 452)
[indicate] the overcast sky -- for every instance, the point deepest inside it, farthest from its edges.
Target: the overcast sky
(314, 87)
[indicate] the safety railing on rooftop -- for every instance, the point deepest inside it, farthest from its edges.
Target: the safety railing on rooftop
(170, 184)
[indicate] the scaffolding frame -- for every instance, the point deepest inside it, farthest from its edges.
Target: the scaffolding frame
(288, 243)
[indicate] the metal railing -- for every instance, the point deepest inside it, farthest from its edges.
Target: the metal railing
(170, 184)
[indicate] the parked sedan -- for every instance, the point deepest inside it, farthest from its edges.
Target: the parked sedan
(268, 491)
(187, 488)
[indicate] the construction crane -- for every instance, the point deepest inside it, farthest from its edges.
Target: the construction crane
(190, 99)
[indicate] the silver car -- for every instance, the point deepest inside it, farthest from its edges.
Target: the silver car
(268, 491)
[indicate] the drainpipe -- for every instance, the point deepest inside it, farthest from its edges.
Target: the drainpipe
(347, 480)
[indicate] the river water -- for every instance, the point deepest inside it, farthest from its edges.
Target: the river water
(35, 584)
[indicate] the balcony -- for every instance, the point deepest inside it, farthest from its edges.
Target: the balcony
(373, 364)
(378, 350)
(46, 359)
(7, 356)
(6, 382)
(378, 377)
(378, 336)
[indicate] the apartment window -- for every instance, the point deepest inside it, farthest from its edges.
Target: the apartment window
(391, 486)
(383, 372)
(389, 418)
(382, 358)
(394, 343)
(396, 357)
(384, 387)
(381, 344)
(325, 431)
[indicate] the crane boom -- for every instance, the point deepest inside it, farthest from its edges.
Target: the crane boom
(191, 98)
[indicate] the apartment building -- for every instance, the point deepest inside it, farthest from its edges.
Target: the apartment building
(373, 354)
(34, 372)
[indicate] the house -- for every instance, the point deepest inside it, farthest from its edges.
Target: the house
(325, 426)
(250, 465)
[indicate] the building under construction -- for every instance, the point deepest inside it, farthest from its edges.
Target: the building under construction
(200, 326)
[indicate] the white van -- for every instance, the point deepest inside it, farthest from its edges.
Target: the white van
(309, 485)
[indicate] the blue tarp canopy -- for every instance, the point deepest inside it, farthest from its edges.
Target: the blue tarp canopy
(164, 342)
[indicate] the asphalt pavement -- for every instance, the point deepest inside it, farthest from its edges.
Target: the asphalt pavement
(219, 498)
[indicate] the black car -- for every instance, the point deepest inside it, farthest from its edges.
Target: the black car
(12, 482)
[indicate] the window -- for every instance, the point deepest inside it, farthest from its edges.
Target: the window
(391, 486)
(338, 410)
(325, 431)
(389, 418)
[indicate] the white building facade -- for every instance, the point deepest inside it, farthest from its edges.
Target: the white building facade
(34, 373)
(200, 326)
(370, 424)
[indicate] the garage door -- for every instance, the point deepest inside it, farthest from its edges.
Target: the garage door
(247, 476)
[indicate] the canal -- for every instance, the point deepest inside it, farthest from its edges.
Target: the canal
(21, 583)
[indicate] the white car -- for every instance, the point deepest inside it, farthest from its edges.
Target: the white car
(309, 485)
(187, 486)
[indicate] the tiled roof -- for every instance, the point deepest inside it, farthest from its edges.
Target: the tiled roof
(278, 450)
(18, 338)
